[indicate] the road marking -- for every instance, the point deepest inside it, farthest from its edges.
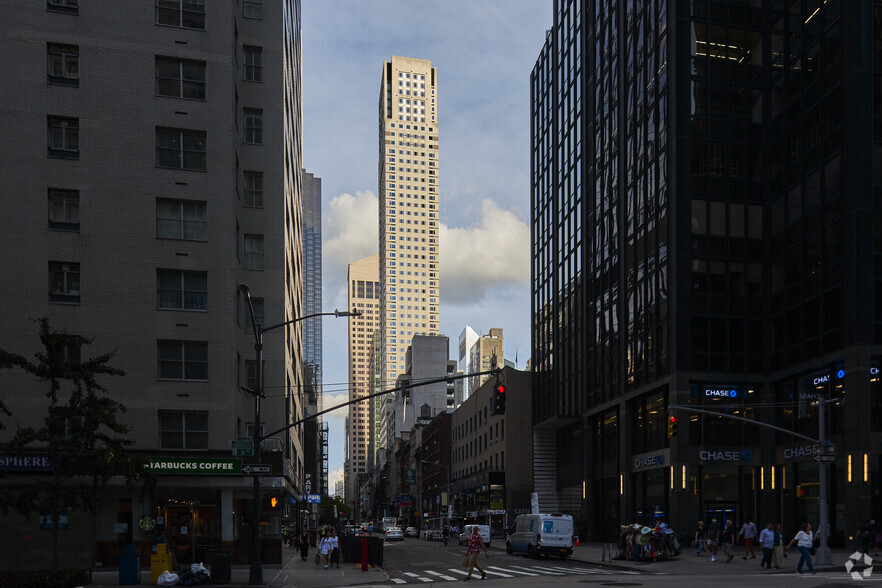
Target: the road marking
(565, 570)
(539, 570)
(456, 571)
(440, 575)
(500, 574)
(417, 576)
(399, 581)
(512, 571)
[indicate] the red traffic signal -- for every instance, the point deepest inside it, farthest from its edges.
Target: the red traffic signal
(500, 388)
(497, 403)
(672, 427)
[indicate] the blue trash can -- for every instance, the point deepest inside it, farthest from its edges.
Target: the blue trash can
(129, 566)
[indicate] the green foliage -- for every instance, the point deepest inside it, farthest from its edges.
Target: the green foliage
(80, 430)
(43, 578)
(326, 510)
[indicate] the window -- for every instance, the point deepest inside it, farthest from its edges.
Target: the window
(180, 78)
(254, 252)
(251, 374)
(64, 282)
(183, 430)
(68, 6)
(183, 360)
(189, 14)
(64, 137)
(252, 8)
(64, 64)
(254, 189)
(181, 219)
(257, 304)
(253, 123)
(253, 61)
(64, 209)
(182, 290)
(180, 148)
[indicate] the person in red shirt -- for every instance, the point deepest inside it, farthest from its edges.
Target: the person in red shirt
(476, 543)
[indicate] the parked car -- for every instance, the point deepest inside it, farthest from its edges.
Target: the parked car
(542, 534)
(394, 534)
(484, 530)
(411, 532)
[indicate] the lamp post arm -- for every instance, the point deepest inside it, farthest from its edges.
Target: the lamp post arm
(337, 313)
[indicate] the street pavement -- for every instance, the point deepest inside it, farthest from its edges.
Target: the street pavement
(294, 572)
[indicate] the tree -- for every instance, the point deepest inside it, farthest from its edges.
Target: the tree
(80, 430)
(326, 510)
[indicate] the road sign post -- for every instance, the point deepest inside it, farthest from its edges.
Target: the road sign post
(243, 448)
(825, 458)
(257, 468)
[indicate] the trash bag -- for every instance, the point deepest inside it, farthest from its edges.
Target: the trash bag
(195, 575)
(167, 578)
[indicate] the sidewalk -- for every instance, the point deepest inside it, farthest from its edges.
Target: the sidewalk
(687, 563)
(292, 571)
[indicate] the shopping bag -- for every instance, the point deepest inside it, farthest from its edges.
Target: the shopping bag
(318, 559)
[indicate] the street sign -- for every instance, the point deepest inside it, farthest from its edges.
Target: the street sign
(257, 468)
(245, 448)
(314, 499)
(825, 458)
(824, 449)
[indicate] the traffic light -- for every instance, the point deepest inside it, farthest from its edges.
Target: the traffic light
(672, 427)
(272, 502)
(497, 405)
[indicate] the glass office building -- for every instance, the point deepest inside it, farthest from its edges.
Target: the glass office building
(707, 233)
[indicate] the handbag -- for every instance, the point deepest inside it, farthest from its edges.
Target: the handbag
(318, 559)
(812, 550)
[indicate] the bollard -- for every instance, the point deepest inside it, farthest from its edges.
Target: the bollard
(364, 554)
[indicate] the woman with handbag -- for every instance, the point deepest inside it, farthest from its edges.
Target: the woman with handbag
(325, 548)
(805, 539)
(335, 548)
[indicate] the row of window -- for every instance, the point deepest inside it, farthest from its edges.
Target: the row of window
(175, 77)
(188, 14)
(175, 148)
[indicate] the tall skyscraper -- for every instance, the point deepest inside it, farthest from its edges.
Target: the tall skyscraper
(315, 458)
(150, 183)
(482, 354)
(364, 295)
(408, 194)
(467, 338)
(706, 230)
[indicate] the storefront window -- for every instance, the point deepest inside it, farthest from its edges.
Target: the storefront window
(648, 422)
(191, 524)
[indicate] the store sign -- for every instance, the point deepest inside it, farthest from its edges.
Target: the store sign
(647, 461)
(720, 393)
(724, 455)
(185, 465)
(38, 462)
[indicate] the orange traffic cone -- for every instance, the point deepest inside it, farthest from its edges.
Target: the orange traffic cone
(576, 540)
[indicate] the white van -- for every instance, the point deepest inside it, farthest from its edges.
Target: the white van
(541, 534)
(483, 530)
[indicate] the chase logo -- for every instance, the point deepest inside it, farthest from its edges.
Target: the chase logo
(746, 456)
(720, 393)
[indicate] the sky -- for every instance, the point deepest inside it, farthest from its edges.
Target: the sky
(484, 51)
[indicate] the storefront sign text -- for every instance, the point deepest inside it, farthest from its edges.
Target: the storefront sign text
(173, 465)
(652, 460)
(720, 393)
(25, 462)
(713, 455)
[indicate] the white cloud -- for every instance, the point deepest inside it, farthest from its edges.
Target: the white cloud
(493, 253)
(333, 477)
(350, 232)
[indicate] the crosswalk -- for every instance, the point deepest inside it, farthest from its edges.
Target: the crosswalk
(511, 571)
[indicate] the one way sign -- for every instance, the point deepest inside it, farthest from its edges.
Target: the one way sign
(257, 469)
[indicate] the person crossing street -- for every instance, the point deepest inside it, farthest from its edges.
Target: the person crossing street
(476, 543)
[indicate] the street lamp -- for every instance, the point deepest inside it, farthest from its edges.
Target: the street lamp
(447, 469)
(256, 572)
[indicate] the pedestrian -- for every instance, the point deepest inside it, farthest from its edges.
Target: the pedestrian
(476, 543)
(325, 548)
(700, 539)
(767, 541)
(778, 554)
(748, 531)
(804, 541)
(865, 536)
(336, 552)
(877, 542)
(727, 541)
(303, 543)
(713, 538)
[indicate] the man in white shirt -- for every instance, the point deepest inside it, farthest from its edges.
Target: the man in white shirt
(749, 532)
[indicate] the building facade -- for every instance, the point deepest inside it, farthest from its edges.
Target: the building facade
(467, 339)
(704, 237)
(153, 181)
(364, 296)
(487, 352)
(409, 190)
(315, 444)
